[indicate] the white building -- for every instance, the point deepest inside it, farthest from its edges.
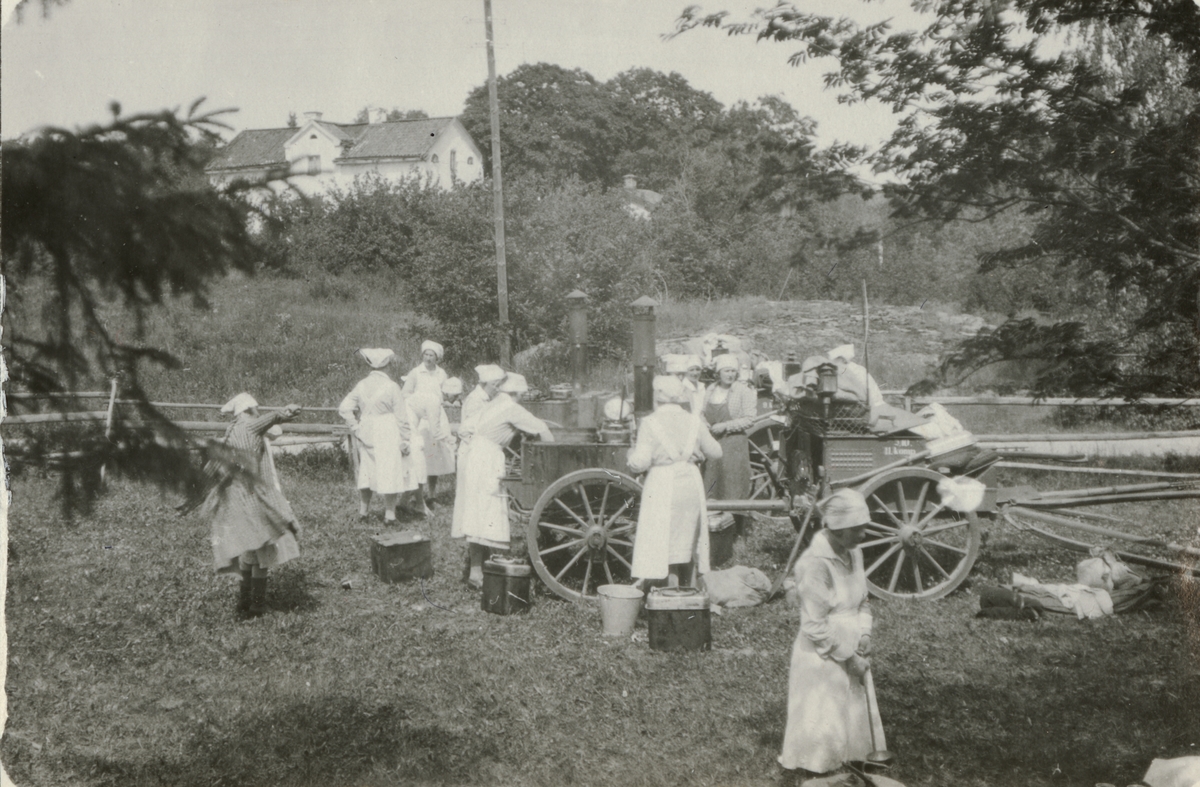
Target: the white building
(320, 156)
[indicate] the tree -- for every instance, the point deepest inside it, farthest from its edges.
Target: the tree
(554, 122)
(1000, 115)
(395, 113)
(98, 226)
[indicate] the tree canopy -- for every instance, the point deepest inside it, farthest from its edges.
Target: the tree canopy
(97, 226)
(1084, 115)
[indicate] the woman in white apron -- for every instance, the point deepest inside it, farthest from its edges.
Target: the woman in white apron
(829, 720)
(481, 514)
(672, 532)
(378, 419)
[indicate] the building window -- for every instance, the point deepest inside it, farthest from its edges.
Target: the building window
(470, 160)
(434, 158)
(314, 165)
(453, 164)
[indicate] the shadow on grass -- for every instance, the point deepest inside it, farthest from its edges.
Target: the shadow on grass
(1045, 722)
(323, 741)
(288, 591)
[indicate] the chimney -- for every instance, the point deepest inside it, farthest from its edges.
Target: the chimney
(313, 115)
(631, 182)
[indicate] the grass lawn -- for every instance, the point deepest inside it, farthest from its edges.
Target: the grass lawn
(127, 667)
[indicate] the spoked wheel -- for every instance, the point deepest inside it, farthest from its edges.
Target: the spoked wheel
(766, 468)
(580, 532)
(915, 547)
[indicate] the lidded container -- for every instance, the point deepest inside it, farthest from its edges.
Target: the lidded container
(505, 586)
(679, 619)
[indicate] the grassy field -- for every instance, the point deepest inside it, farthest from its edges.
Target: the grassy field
(126, 667)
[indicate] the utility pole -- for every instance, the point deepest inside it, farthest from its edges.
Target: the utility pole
(497, 190)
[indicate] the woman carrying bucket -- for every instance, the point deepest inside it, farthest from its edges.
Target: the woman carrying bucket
(672, 531)
(832, 717)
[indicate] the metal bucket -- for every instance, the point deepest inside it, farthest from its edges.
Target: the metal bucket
(505, 586)
(679, 619)
(619, 608)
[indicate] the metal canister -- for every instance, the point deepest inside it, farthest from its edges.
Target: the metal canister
(505, 586)
(679, 619)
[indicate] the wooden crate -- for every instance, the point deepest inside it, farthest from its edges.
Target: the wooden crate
(400, 556)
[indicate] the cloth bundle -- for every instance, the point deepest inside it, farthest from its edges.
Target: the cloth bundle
(739, 586)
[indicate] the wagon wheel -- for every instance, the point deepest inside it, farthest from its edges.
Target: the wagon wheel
(580, 532)
(766, 466)
(915, 547)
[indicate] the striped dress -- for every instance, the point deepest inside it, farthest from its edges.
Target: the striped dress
(246, 508)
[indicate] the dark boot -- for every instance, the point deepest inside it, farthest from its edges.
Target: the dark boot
(258, 597)
(243, 605)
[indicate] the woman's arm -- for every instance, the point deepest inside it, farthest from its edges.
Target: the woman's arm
(641, 456)
(707, 445)
(348, 406)
(816, 600)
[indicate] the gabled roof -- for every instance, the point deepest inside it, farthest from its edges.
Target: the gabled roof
(260, 147)
(403, 139)
(398, 139)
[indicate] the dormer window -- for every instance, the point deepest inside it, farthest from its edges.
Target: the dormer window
(312, 136)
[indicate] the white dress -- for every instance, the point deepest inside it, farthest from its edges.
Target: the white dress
(380, 426)
(472, 405)
(827, 706)
(420, 381)
(433, 426)
(673, 517)
(481, 511)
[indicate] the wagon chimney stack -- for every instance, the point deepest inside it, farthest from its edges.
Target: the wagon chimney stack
(577, 304)
(644, 356)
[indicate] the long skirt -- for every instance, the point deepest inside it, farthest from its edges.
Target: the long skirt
(250, 517)
(439, 448)
(381, 466)
(827, 711)
(728, 478)
(672, 521)
(481, 507)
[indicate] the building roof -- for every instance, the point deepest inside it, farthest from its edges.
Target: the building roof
(403, 139)
(260, 147)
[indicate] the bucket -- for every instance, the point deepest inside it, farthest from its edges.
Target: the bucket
(505, 586)
(619, 608)
(679, 619)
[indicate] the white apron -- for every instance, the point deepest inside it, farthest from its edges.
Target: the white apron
(481, 510)
(827, 721)
(673, 515)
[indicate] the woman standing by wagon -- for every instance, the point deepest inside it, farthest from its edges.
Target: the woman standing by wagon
(729, 408)
(672, 531)
(378, 418)
(830, 719)
(426, 378)
(481, 512)
(253, 526)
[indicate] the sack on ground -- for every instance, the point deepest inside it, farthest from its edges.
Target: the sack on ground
(739, 586)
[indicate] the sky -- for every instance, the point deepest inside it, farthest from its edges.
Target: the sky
(268, 58)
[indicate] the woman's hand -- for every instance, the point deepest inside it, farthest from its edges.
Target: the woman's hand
(864, 646)
(292, 410)
(857, 666)
(404, 449)
(716, 430)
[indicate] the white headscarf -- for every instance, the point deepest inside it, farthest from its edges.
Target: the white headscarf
(452, 386)
(726, 361)
(429, 344)
(514, 383)
(675, 364)
(239, 404)
(489, 373)
(377, 357)
(669, 389)
(844, 508)
(693, 362)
